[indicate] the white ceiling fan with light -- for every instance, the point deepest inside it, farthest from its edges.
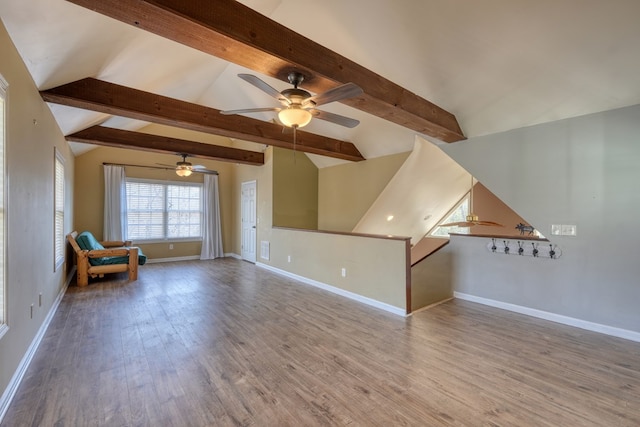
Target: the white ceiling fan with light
(298, 105)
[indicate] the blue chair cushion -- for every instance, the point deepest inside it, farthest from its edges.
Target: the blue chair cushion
(88, 242)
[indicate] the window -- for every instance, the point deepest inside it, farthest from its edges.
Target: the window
(159, 210)
(3, 240)
(58, 202)
(457, 214)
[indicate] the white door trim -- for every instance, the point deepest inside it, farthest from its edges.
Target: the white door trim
(248, 220)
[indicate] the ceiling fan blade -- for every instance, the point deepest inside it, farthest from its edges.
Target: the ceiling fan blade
(461, 224)
(489, 224)
(249, 110)
(205, 171)
(344, 91)
(335, 118)
(264, 86)
(466, 224)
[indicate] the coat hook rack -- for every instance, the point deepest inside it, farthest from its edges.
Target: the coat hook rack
(536, 249)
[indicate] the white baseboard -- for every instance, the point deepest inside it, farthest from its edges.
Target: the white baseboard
(553, 317)
(186, 258)
(365, 300)
(12, 387)
(179, 258)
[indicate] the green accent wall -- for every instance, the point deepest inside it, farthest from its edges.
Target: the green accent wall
(295, 190)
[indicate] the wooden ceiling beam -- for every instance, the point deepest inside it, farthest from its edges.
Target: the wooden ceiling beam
(236, 33)
(100, 135)
(110, 98)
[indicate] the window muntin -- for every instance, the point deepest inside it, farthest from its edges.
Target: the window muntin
(158, 210)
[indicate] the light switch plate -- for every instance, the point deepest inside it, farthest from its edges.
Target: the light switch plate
(569, 230)
(556, 229)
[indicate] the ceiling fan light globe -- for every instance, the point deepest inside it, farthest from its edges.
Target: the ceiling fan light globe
(294, 116)
(183, 171)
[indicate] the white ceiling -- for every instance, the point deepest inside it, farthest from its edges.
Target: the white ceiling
(495, 64)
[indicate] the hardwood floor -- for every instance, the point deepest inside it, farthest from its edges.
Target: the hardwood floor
(225, 343)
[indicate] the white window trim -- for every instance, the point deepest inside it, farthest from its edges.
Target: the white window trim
(4, 315)
(464, 199)
(175, 239)
(58, 262)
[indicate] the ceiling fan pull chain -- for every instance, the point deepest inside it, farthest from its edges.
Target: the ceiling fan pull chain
(295, 137)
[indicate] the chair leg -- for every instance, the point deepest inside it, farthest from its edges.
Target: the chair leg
(83, 269)
(133, 264)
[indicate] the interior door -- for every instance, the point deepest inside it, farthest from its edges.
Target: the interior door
(249, 222)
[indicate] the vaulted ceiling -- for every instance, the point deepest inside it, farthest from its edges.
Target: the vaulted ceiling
(492, 65)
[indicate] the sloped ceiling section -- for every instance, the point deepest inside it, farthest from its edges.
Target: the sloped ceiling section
(110, 98)
(423, 190)
(238, 34)
(496, 65)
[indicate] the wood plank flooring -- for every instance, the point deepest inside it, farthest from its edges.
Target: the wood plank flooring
(225, 343)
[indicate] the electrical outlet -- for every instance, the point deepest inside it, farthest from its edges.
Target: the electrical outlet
(288, 258)
(40, 300)
(31, 308)
(344, 272)
(170, 246)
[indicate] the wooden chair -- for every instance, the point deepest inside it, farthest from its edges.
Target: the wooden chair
(124, 250)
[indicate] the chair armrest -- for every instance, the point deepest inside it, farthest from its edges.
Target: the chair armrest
(101, 253)
(115, 243)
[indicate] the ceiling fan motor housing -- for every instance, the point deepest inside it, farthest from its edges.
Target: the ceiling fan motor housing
(295, 78)
(295, 95)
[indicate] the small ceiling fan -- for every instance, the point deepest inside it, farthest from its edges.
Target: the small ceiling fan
(298, 105)
(184, 168)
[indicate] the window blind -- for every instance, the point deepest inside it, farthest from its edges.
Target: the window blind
(162, 210)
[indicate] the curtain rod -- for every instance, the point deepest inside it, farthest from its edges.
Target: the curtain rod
(209, 172)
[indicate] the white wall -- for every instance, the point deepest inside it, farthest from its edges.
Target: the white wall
(583, 171)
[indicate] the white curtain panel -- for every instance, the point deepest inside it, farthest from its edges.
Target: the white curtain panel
(211, 230)
(115, 203)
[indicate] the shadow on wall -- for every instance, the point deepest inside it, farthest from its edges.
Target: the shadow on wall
(432, 279)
